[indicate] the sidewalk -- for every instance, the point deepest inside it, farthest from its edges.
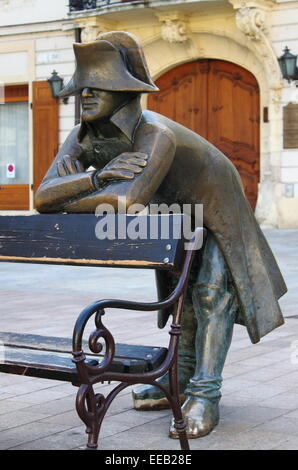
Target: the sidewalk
(259, 408)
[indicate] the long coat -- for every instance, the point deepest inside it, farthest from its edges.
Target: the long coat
(182, 168)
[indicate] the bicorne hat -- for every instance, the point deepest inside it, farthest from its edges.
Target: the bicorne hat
(114, 62)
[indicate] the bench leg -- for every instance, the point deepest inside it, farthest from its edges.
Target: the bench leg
(180, 423)
(173, 398)
(90, 408)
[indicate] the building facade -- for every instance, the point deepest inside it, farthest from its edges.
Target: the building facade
(215, 62)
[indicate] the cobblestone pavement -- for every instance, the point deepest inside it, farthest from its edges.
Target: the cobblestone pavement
(259, 408)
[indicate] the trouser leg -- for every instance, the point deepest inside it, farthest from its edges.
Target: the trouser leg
(148, 397)
(215, 305)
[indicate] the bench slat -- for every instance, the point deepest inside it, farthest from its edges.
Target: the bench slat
(38, 364)
(64, 345)
(37, 356)
(38, 342)
(71, 239)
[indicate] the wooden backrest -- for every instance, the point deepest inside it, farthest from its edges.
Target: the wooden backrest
(73, 239)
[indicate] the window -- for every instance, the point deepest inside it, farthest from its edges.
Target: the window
(14, 135)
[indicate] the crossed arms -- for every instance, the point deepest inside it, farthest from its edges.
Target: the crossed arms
(68, 187)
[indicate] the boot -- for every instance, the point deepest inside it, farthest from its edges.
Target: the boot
(215, 303)
(202, 415)
(147, 397)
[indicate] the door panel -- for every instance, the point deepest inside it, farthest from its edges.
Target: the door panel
(220, 101)
(14, 197)
(180, 98)
(233, 120)
(45, 130)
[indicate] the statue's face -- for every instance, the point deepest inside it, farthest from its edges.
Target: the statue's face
(99, 104)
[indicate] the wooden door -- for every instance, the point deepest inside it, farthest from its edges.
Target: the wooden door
(220, 101)
(14, 193)
(45, 130)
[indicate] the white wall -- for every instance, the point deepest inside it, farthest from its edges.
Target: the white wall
(284, 32)
(53, 49)
(17, 12)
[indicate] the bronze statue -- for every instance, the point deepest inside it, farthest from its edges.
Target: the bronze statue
(145, 156)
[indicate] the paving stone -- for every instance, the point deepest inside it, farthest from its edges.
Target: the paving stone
(68, 418)
(237, 384)
(10, 379)
(260, 391)
(233, 400)
(264, 374)
(236, 369)
(65, 440)
(5, 396)
(288, 381)
(255, 414)
(292, 414)
(41, 396)
(27, 387)
(251, 441)
(18, 418)
(231, 424)
(260, 361)
(28, 433)
(290, 444)
(226, 409)
(258, 440)
(9, 405)
(53, 407)
(285, 401)
(282, 424)
(154, 436)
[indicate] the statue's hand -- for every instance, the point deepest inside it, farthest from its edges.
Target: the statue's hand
(69, 166)
(125, 166)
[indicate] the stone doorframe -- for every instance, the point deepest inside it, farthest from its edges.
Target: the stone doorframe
(249, 46)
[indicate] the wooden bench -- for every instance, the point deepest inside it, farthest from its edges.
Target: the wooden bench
(71, 240)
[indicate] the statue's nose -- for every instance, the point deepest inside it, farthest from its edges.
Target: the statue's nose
(86, 92)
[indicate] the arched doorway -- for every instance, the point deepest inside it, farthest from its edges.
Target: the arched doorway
(220, 101)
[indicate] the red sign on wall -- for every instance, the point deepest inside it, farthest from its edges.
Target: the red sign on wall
(10, 170)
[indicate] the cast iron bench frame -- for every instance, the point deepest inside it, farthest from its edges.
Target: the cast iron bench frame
(70, 240)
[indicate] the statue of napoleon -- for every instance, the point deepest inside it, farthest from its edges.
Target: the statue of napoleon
(145, 156)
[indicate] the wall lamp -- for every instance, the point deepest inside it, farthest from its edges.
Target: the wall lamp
(56, 84)
(288, 65)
